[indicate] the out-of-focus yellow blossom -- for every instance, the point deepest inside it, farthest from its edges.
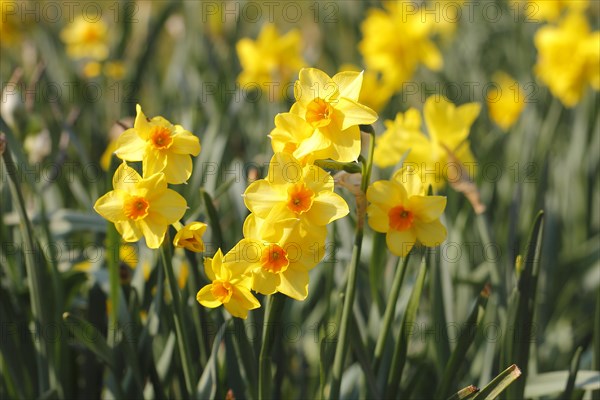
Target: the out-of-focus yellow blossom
(141, 206)
(92, 69)
(115, 70)
(86, 39)
(505, 101)
(448, 128)
(190, 237)
(400, 208)
(161, 146)
(447, 15)
(568, 58)
(11, 25)
(551, 10)
(271, 59)
(184, 272)
(127, 255)
(279, 262)
(375, 93)
(331, 107)
(397, 40)
(106, 157)
(292, 192)
(230, 286)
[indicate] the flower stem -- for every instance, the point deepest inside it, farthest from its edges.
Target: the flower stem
(271, 326)
(390, 310)
(342, 344)
(180, 331)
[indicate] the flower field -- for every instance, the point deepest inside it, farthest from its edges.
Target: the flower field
(300, 199)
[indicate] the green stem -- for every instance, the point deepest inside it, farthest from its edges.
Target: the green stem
(245, 354)
(271, 326)
(180, 331)
(34, 272)
(390, 310)
(342, 344)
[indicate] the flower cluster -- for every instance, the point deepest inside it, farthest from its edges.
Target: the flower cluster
(433, 154)
(143, 205)
(284, 236)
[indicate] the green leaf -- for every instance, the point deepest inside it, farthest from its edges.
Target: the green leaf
(522, 307)
(87, 335)
(207, 385)
(550, 383)
(213, 219)
(572, 374)
(499, 384)
(410, 316)
(465, 393)
(465, 339)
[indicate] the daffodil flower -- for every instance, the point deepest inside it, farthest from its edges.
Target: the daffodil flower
(190, 237)
(505, 101)
(279, 261)
(331, 107)
(161, 146)
(230, 287)
(400, 209)
(448, 127)
(86, 39)
(141, 206)
(295, 192)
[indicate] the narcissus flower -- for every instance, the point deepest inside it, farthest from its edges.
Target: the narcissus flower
(432, 155)
(568, 58)
(271, 59)
(141, 206)
(295, 192)
(375, 93)
(161, 146)
(289, 133)
(279, 261)
(190, 237)
(230, 286)
(401, 209)
(331, 107)
(540, 10)
(86, 39)
(505, 101)
(396, 41)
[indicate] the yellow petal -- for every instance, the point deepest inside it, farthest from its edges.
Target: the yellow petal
(241, 302)
(141, 124)
(427, 208)
(431, 234)
(110, 206)
(378, 218)
(355, 113)
(260, 197)
(349, 84)
(314, 83)
(126, 178)
(171, 206)
(129, 230)
(130, 146)
(400, 242)
(294, 283)
(206, 298)
(178, 168)
(153, 230)
(345, 145)
(326, 208)
(265, 282)
(387, 194)
(184, 142)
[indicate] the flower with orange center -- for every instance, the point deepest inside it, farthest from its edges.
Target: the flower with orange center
(230, 286)
(141, 206)
(331, 108)
(279, 260)
(293, 192)
(161, 146)
(86, 39)
(190, 237)
(401, 209)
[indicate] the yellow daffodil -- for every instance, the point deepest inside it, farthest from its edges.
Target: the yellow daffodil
(290, 131)
(401, 209)
(141, 206)
(295, 192)
(505, 101)
(448, 128)
(190, 237)
(551, 10)
(375, 93)
(115, 69)
(331, 107)
(230, 286)
(86, 39)
(271, 61)
(11, 23)
(568, 58)
(280, 261)
(395, 42)
(161, 146)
